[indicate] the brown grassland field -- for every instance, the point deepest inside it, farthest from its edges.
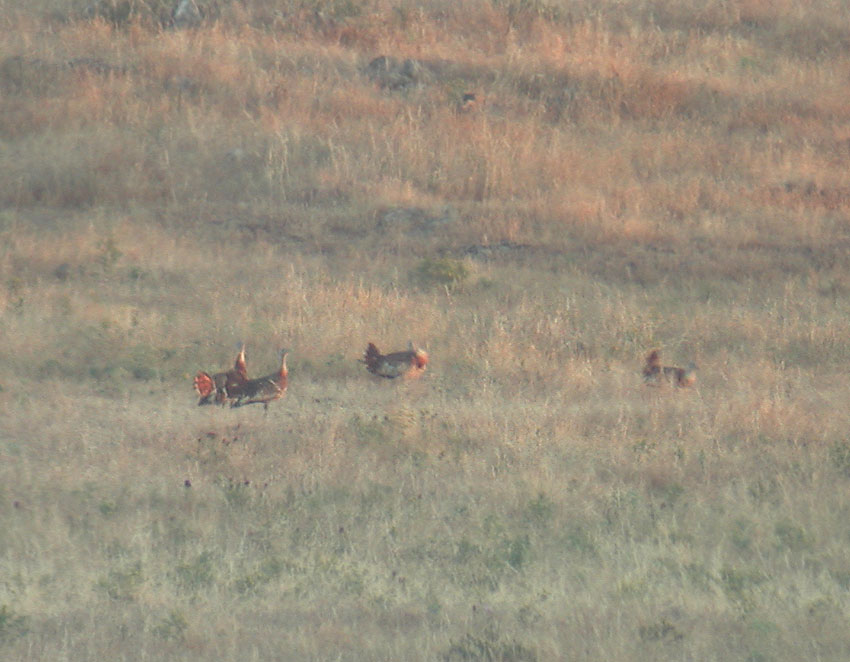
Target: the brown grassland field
(634, 174)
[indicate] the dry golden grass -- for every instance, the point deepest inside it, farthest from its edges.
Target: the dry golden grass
(639, 175)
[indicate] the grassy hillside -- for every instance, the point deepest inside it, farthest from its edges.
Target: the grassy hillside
(631, 175)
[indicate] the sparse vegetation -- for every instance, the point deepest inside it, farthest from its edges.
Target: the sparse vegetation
(444, 272)
(632, 175)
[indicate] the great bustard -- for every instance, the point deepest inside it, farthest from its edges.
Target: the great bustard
(264, 390)
(407, 365)
(655, 373)
(222, 386)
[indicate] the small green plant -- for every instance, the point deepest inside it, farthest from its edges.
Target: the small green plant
(541, 509)
(821, 607)
(698, 576)
(267, 571)
(669, 492)
(465, 551)
(196, 574)
(136, 273)
(742, 532)
(518, 551)
(173, 627)
(337, 9)
(442, 272)
(123, 12)
(15, 289)
(578, 539)
(644, 448)
(529, 9)
(108, 508)
(374, 430)
(12, 625)
(762, 491)
(123, 584)
(236, 492)
(108, 253)
(738, 584)
(839, 456)
(489, 646)
(145, 362)
(662, 630)
(841, 577)
(791, 537)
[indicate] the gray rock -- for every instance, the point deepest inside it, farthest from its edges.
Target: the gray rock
(391, 73)
(491, 251)
(416, 219)
(186, 14)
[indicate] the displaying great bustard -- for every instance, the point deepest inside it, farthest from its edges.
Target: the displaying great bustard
(264, 390)
(222, 386)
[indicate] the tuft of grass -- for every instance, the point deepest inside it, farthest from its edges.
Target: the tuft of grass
(517, 551)
(173, 627)
(122, 585)
(791, 536)
(122, 13)
(489, 644)
(12, 624)
(662, 630)
(196, 574)
(839, 456)
(267, 571)
(442, 272)
(542, 509)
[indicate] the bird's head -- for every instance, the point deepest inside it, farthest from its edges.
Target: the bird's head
(420, 356)
(241, 366)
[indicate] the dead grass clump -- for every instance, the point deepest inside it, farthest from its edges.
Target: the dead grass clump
(444, 272)
(649, 97)
(489, 645)
(816, 37)
(32, 76)
(152, 14)
(74, 170)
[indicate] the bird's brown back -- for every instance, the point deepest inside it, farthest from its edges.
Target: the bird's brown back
(653, 365)
(655, 373)
(409, 363)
